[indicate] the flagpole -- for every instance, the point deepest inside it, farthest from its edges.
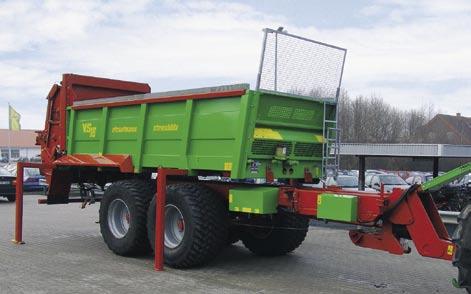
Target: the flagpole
(9, 146)
(9, 134)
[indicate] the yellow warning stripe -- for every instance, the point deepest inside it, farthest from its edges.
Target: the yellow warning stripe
(266, 133)
(319, 138)
(450, 249)
(228, 166)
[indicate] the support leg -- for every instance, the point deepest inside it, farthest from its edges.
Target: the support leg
(160, 219)
(162, 174)
(19, 205)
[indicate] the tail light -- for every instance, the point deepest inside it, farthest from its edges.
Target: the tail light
(13, 183)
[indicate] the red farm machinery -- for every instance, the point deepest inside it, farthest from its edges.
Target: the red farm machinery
(194, 170)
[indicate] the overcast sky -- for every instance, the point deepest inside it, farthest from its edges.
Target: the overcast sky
(411, 53)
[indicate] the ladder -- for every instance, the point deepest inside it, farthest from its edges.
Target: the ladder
(331, 145)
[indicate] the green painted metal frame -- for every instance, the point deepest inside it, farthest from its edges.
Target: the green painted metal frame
(258, 200)
(220, 134)
(447, 177)
(337, 207)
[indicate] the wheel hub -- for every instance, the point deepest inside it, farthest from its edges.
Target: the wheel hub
(181, 225)
(118, 218)
(174, 226)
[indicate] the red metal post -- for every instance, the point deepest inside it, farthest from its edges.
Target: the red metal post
(162, 174)
(19, 205)
(19, 199)
(160, 218)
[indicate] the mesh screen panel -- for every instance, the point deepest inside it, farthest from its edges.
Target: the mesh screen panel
(296, 65)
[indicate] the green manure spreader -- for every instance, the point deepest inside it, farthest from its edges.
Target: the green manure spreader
(213, 143)
(188, 172)
(228, 129)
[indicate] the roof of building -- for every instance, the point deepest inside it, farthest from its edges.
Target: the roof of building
(18, 139)
(445, 125)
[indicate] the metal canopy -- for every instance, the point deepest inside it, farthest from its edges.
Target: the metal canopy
(432, 151)
(406, 150)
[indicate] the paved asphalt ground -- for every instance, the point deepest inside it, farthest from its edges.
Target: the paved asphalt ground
(64, 253)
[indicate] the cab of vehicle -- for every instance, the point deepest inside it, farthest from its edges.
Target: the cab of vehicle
(388, 181)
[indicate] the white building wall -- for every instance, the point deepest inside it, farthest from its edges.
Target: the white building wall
(29, 152)
(24, 152)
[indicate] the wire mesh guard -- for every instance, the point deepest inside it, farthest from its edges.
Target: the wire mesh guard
(296, 65)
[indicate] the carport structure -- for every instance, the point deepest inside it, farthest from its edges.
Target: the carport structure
(424, 151)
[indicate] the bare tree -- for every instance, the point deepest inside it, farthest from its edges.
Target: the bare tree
(371, 120)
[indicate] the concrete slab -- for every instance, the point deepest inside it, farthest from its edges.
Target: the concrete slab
(64, 253)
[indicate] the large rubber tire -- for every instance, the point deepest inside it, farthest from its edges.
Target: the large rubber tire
(462, 257)
(11, 198)
(285, 233)
(233, 235)
(205, 221)
(136, 195)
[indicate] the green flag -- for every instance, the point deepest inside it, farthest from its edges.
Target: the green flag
(14, 119)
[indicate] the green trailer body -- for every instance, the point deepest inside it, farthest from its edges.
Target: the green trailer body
(243, 135)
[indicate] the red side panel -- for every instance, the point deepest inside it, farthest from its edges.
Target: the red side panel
(86, 88)
(123, 162)
(74, 88)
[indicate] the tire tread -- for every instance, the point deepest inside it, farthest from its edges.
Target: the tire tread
(142, 195)
(289, 234)
(210, 227)
(462, 256)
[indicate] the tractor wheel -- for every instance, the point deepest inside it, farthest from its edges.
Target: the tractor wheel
(233, 235)
(283, 234)
(123, 217)
(11, 198)
(195, 225)
(462, 257)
